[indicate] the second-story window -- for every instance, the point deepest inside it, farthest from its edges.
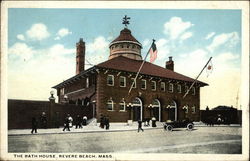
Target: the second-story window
(110, 80)
(163, 86)
(122, 81)
(153, 85)
(143, 84)
(171, 87)
(179, 88)
(87, 82)
(193, 91)
(186, 89)
(62, 91)
(134, 84)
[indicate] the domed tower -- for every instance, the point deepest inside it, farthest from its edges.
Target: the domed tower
(125, 44)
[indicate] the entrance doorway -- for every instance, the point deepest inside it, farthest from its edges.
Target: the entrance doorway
(157, 109)
(173, 111)
(137, 109)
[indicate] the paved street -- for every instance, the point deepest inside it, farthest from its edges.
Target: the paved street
(219, 140)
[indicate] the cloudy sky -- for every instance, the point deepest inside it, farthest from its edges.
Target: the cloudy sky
(41, 46)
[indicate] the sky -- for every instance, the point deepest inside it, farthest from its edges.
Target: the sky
(41, 46)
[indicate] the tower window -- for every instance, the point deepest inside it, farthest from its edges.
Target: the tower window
(122, 81)
(127, 46)
(163, 86)
(153, 85)
(193, 91)
(171, 87)
(133, 46)
(87, 82)
(121, 46)
(179, 88)
(110, 80)
(133, 80)
(143, 84)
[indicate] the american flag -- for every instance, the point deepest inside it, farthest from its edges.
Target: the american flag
(153, 52)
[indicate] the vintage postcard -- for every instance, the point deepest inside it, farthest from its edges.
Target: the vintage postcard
(124, 80)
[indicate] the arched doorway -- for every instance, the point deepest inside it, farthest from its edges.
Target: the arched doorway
(157, 109)
(137, 109)
(172, 111)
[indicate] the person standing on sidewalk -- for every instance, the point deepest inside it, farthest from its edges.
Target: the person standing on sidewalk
(107, 122)
(140, 126)
(66, 123)
(78, 122)
(34, 125)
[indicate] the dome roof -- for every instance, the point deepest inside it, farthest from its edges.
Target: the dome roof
(125, 35)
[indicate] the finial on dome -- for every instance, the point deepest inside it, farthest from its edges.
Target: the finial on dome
(126, 21)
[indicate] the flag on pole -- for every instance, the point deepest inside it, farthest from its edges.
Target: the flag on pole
(153, 52)
(209, 68)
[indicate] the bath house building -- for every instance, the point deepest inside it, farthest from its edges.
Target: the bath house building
(157, 92)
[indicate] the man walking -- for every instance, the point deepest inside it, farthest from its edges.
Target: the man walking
(140, 126)
(66, 123)
(34, 125)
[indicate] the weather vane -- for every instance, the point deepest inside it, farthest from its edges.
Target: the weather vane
(126, 20)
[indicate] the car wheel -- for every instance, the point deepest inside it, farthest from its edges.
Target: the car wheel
(169, 128)
(190, 126)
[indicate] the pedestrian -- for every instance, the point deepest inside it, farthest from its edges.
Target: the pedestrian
(140, 126)
(107, 122)
(78, 122)
(84, 120)
(70, 121)
(66, 123)
(34, 125)
(43, 120)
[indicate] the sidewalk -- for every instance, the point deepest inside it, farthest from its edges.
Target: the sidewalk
(89, 128)
(94, 127)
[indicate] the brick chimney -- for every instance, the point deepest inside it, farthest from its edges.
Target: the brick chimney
(170, 64)
(80, 56)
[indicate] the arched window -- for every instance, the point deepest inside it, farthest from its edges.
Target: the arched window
(156, 103)
(110, 105)
(122, 106)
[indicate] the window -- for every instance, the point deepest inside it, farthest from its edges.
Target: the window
(122, 81)
(193, 91)
(122, 106)
(163, 86)
(153, 85)
(179, 88)
(62, 91)
(87, 82)
(127, 45)
(110, 80)
(110, 105)
(186, 89)
(143, 84)
(171, 87)
(193, 109)
(186, 109)
(133, 80)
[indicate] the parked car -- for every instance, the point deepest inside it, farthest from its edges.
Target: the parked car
(169, 125)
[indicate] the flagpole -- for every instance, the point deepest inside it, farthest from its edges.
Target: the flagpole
(197, 78)
(140, 68)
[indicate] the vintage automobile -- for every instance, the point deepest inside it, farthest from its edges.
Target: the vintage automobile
(169, 125)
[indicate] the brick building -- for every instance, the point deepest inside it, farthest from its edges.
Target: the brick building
(157, 92)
